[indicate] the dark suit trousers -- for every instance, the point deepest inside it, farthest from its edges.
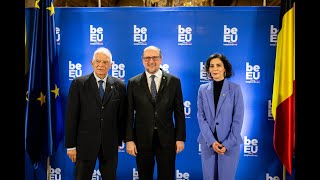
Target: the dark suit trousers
(107, 168)
(165, 157)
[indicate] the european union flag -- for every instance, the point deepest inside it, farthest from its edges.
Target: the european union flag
(43, 120)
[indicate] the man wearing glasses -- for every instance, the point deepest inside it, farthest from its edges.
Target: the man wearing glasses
(152, 134)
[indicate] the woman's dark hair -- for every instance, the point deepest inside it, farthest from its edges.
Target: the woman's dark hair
(225, 62)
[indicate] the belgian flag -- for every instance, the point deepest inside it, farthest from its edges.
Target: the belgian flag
(283, 97)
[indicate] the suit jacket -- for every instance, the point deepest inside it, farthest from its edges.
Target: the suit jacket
(228, 117)
(144, 114)
(90, 121)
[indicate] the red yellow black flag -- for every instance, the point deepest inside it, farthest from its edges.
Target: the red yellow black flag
(283, 97)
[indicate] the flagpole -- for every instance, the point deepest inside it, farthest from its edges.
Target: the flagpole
(284, 172)
(48, 168)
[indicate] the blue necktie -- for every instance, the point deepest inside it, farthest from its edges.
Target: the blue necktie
(101, 89)
(153, 88)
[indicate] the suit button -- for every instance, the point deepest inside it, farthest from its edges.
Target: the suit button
(102, 107)
(217, 123)
(155, 113)
(101, 119)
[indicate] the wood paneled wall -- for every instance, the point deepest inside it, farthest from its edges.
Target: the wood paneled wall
(112, 3)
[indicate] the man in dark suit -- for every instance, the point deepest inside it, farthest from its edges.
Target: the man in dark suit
(94, 126)
(152, 134)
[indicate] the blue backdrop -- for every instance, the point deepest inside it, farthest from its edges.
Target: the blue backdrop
(186, 36)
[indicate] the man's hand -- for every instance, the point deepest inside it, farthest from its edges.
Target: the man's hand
(179, 146)
(72, 153)
(131, 148)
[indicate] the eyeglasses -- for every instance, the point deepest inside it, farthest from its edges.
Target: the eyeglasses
(148, 58)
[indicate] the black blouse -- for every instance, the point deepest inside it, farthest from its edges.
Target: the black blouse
(217, 86)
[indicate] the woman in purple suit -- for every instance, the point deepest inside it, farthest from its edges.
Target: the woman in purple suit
(220, 117)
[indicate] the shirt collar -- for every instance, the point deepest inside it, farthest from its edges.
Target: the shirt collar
(157, 74)
(98, 79)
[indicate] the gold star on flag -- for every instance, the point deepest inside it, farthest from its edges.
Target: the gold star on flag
(36, 4)
(42, 99)
(55, 91)
(51, 9)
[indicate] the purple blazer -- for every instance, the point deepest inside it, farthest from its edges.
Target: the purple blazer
(227, 120)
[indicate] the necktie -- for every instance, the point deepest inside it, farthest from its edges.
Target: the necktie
(101, 89)
(153, 88)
